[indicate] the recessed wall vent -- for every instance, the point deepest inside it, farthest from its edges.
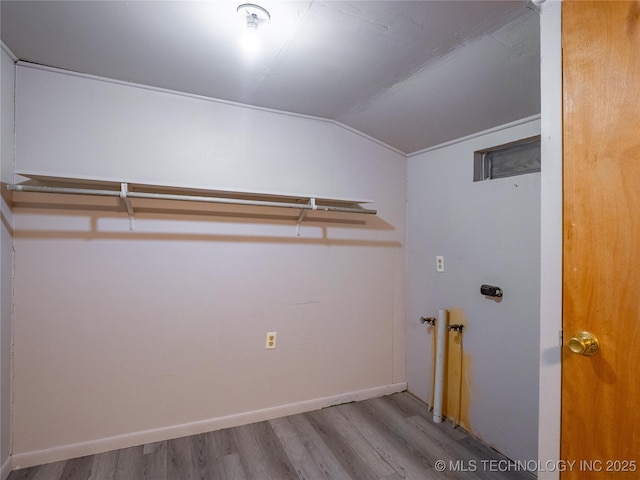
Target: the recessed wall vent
(516, 158)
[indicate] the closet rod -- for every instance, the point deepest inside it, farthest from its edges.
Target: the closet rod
(188, 198)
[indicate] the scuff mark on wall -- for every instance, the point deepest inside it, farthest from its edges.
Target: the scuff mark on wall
(303, 302)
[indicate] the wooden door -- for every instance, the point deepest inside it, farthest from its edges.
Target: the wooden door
(601, 102)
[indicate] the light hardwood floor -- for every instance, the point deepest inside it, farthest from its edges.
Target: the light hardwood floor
(387, 438)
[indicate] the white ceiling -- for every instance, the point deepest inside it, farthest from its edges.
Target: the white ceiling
(411, 74)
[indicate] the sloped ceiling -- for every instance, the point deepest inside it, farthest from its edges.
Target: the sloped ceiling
(411, 74)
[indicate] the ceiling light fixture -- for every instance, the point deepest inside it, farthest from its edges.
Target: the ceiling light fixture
(255, 16)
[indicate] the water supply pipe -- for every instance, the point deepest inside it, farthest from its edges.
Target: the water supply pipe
(458, 329)
(441, 347)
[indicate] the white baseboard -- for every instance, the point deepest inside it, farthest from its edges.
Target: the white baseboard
(65, 452)
(6, 468)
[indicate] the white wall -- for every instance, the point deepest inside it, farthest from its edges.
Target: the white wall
(6, 258)
(125, 337)
(489, 233)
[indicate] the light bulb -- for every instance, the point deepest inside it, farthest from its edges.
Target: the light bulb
(251, 39)
(253, 16)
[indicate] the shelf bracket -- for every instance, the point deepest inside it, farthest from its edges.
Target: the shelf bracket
(124, 189)
(303, 213)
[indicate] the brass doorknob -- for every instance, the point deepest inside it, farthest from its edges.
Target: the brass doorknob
(584, 343)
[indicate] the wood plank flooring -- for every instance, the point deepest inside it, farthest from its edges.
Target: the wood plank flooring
(387, 438)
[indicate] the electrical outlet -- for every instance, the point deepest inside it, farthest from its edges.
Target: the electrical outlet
(439, 263)
(271, 341)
